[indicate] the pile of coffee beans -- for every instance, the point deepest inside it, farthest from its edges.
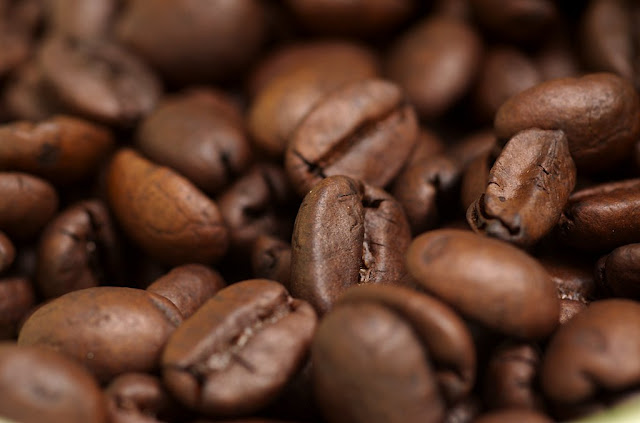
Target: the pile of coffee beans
(310, 211)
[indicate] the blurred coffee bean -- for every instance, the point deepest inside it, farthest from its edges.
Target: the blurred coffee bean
(271, 259)
(16, 300)
(427, 145)
(7, 252)
(572, 274)
(26, 97)
(516, 20)
(80, 19)
(18, 22)
(619, 272)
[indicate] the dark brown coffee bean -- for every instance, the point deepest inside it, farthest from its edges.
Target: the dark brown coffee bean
(569, 309)
(510, 416)
(139, 398)
(345, 234)
(188, 287)
(518, 296)
(78, 249)
(364, 130)
(237, 352)
(443, 333)
(79, 18)
(357, 18)
(200, 134)
(435, 62)
(557, 58)
(619, 272)
(40, 385)
(98, 79)
(528, 186)
(110, 330)
(7, 252)
(16, 299)
(521, 20)
(26, 204)
(286, 99)
(597, 112)
(363, 355)
(603, 217)
(271, 259)
(163, 212)
(258, 203)
(595, 352)
(61, 149)
(511, 377)
(191, 41)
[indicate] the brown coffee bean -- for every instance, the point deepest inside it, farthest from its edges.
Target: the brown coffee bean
(188, 287)
(98, 79)
(443, 333)
(428, 144)
(602, 217)
(364, 130)
(286, 99)
(557, 58)
(435, 62)
(78, 249)
(569, 309)
(40, 385)
(200, 134)
(345, 234)
(163, 212)
(356, 18)
(271, 259)
(518, 297)
(192, 41)
(363, 355)
(597, 112)
(472, 146)
(572, 275)
(26, 204)
(258, 203)
(110, 330)
(79, 18)
(595, 352)
(7, 252)
(16, 299)
(510, 416)
(528, 186)
(25, 95)
(619, 272)
(61, 149)
(476, 176)
(18, 22)
(237, 352)
(521, 20)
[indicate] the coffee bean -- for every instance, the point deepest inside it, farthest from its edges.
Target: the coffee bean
(16, 300)
(618, 272)
(271, 259)
(7, 252)
(237, 352)
(520, 21)
(569, 309)
(110, 330)
(77, 18)
(163, 212)
(428, 144)
(572, 274)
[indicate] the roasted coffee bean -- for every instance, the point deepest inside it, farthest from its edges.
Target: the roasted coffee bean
(572, 274)
(597, 112)
(619, 272)
(569, 308)
(188, 287)
(471, 147)
(110, 330)
(443, 333)
(16, 300)
(78, 249)
(595, 352)
(428, 144)
(98, 79)
(200, 134)
(359, 18)
(7, 252)
(25, 96)
(61, 149)
(602, 217)
(163, 212)
(345, 234)
(271, 259)
(363, 354)
(237, 352)
(369, 139)
(511, 377)
(528, 186)
(81, 19)
(26, 204)
(18, 22)
(518, 297)
(258, 203)
(40, 385)
(193, 42)
(510, 416)
(139, 398)
(434, 62)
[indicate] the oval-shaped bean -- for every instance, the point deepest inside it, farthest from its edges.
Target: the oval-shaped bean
(26, 204)
(237, 352)
(598, 113)
(619, 272)
(40, 385)
(110, 330)
(528, 187)
(163, 212)
(7, 252)
(61, 149)
(517, 295)
(345, 234)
